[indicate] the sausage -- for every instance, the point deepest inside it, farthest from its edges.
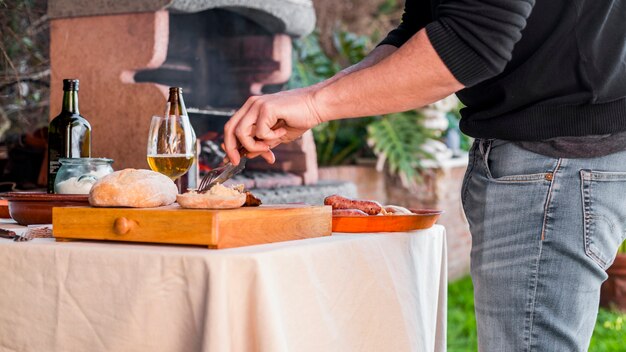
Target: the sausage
(367, 206)
(348, 212)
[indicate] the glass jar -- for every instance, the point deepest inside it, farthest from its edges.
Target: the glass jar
(77, 175)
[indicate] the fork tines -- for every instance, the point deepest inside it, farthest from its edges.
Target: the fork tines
(208, 178)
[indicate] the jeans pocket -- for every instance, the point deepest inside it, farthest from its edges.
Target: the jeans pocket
(604, 214)
(504, 162)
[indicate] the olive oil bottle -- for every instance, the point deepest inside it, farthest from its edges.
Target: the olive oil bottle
(69, 133)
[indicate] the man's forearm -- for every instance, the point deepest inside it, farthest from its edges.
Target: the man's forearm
(375, 56)
(409, 77)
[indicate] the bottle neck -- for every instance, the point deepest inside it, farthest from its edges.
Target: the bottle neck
(70, 101)
(176, 104)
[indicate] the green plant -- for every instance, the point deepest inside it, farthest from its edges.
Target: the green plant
(342, 141)
(609, 333)
(454, 119)
(622, 248)
(397, 140)
(462, 335)
(24, 66)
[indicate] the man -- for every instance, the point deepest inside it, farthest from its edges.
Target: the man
(544, 83)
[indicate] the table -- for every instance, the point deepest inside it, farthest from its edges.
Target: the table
(365, 292)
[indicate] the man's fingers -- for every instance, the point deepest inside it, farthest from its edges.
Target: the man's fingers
(268, 156)
(230, 139)
(273, 143)
(271, 134)
(250, 123)
(245, 132)
(264, 124)
(251, 128)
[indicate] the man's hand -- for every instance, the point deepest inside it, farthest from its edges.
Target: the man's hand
(254, 125)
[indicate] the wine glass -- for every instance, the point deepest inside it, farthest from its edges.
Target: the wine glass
(171, 145)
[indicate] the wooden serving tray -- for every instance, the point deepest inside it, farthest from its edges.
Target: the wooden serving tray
(175, 225)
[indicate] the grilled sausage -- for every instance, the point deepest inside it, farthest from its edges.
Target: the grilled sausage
(339, 202)
(348, 212)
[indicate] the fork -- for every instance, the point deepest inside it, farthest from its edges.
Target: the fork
(33, 232)
(24, 237)
(209, 179)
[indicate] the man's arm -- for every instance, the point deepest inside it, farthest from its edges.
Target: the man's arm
(469, 42)
(411, 77)
(375, 56)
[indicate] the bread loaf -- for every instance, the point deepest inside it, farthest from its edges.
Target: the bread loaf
(133, 188)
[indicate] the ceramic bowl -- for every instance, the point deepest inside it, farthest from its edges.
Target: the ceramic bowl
(28, 208)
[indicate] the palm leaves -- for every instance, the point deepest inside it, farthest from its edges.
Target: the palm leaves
(397, 141)
(338, 142)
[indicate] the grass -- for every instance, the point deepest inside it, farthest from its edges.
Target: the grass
(461, 321)
(609, 333)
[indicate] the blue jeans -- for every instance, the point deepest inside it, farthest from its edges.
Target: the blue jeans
(543, 232)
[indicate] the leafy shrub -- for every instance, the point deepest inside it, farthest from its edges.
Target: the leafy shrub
(341, 141)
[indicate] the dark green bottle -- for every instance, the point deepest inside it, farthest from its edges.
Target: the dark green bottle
(69, 134)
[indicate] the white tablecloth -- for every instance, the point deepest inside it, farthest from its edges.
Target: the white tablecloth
(384, 292)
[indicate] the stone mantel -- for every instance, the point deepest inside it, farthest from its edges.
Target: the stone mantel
(292, 17)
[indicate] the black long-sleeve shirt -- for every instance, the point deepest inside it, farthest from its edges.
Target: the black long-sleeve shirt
(533, 70)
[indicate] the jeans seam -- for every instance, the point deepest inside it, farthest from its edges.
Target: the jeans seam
(533, 300)
(535, 279)
(586, 205)
(469, 177)
(549, 199)
(535, 178)
(586, 180)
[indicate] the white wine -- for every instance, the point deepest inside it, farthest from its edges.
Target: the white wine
(170, 165)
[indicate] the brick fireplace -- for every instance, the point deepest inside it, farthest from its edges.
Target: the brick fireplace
(126, 54)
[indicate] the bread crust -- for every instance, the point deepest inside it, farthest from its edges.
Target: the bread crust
(135, 188)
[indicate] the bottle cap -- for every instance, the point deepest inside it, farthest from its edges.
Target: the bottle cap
(70, 84)
(176, 89)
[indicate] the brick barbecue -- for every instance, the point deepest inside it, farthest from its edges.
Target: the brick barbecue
(126, 54)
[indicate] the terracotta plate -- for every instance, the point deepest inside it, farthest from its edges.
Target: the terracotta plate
(29, 208)
(4, 209)
(421, 219)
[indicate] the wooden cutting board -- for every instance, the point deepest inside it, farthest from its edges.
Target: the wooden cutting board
(175, 225)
